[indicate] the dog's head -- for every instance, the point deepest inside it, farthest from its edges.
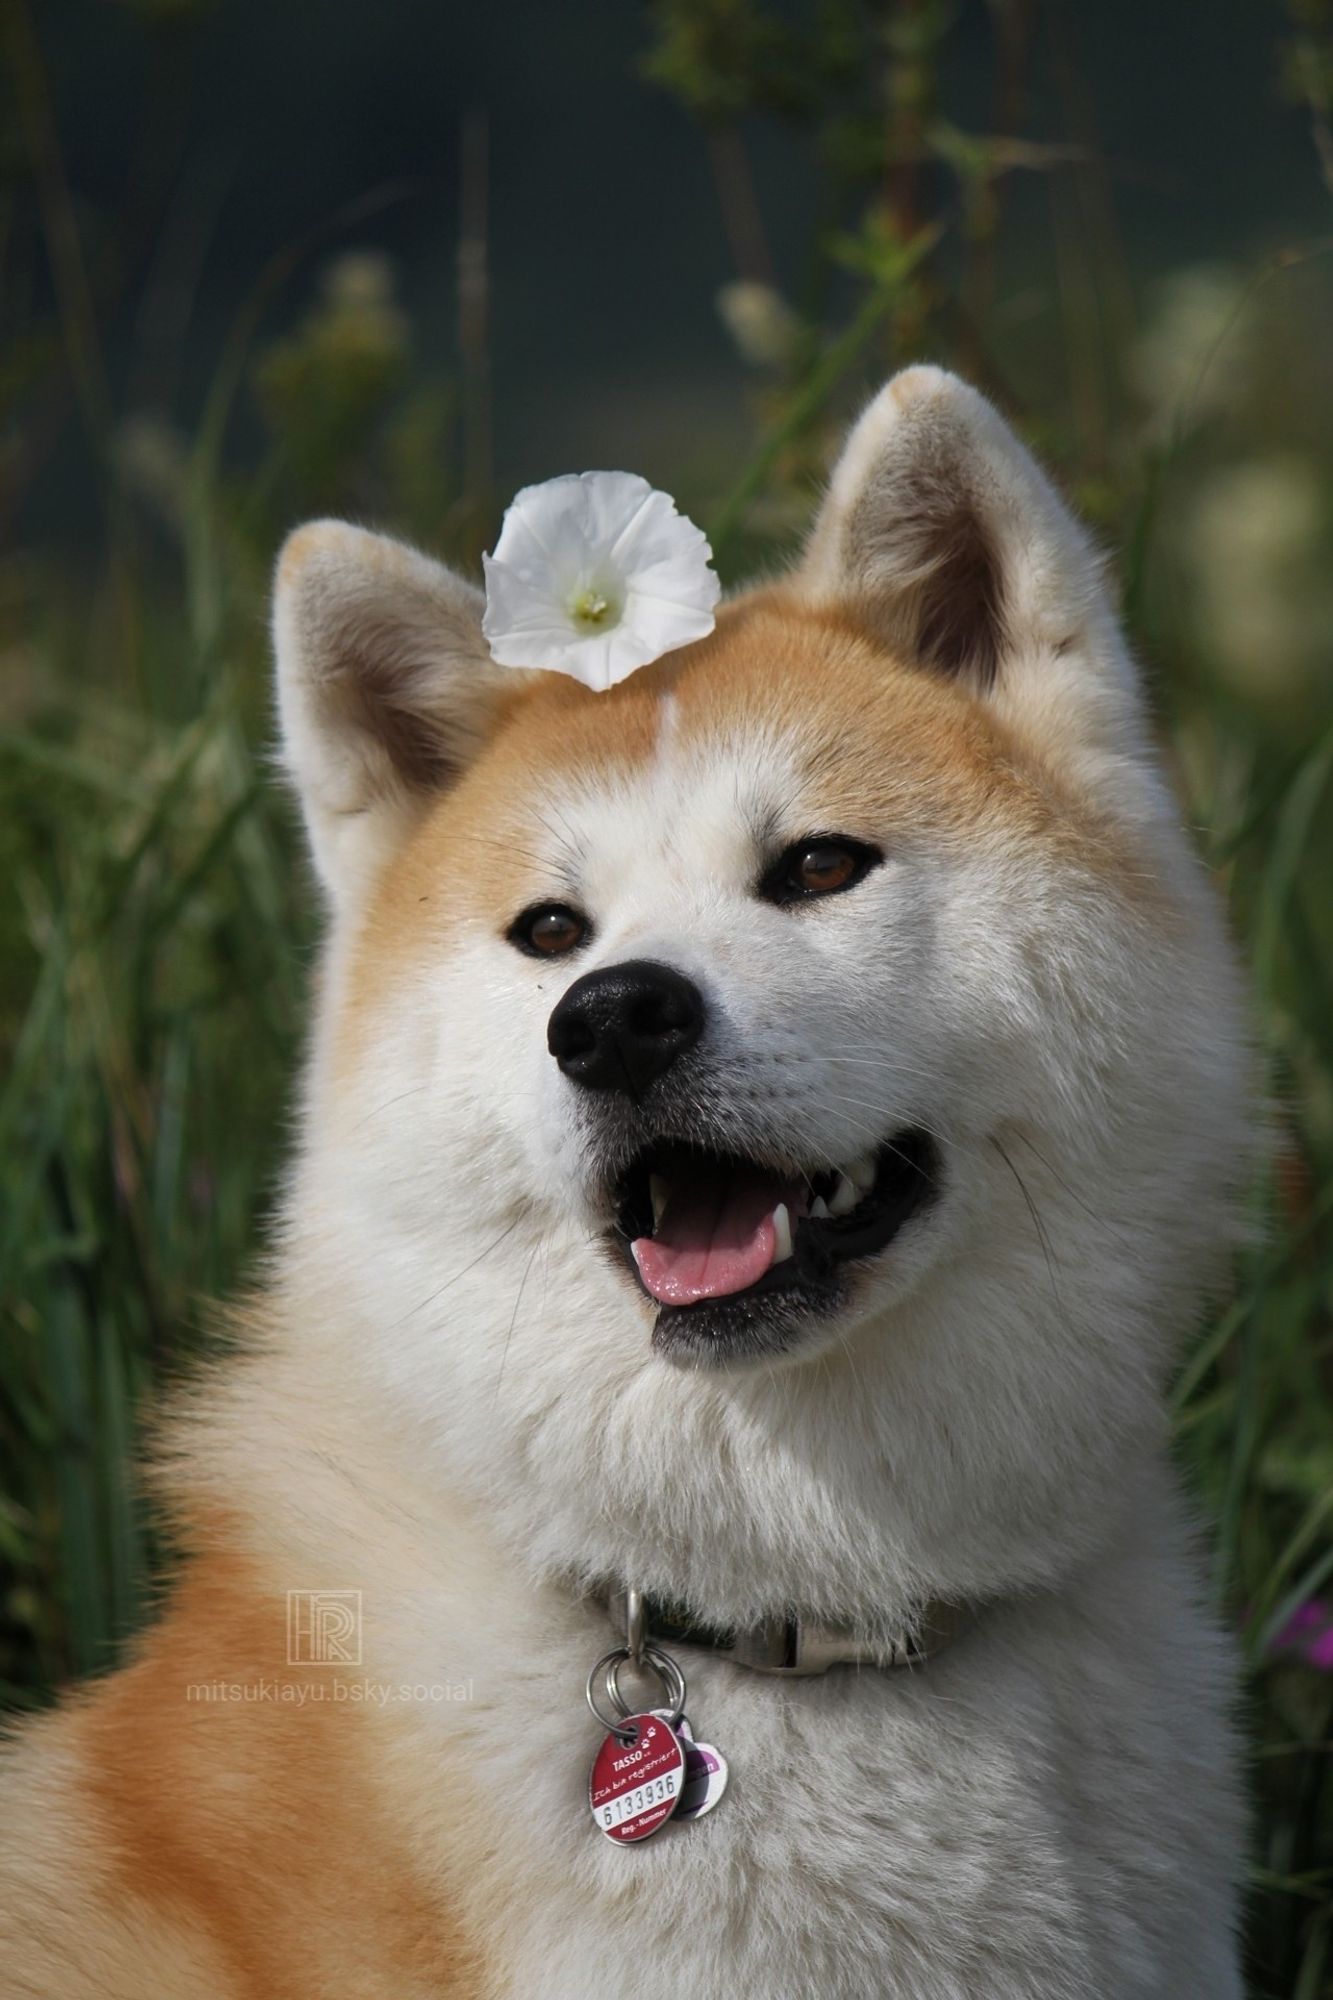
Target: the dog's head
(798, 1086)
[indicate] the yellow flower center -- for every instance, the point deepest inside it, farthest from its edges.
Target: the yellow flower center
(592, 608)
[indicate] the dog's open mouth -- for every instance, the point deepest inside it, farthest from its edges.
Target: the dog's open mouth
(735, 1254)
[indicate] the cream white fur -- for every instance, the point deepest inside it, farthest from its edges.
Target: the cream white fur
(1050, 1810)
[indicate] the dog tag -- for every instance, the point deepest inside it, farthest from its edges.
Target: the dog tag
(635, 1785)
(681, 1724)
(705, 1780)
(705, 1771)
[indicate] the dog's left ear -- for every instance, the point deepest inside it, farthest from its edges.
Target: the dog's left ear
(943, 537)
(386, 689)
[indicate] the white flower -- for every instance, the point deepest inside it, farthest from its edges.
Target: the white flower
(596, 574)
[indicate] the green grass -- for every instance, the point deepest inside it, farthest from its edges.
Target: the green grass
(157, 929)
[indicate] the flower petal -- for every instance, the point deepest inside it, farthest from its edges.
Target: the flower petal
(660, 625)
(657, 532)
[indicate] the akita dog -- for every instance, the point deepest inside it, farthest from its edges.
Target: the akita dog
(767, 1130)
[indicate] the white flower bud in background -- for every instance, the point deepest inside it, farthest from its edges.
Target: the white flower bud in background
(760, 321)
(358, 289)
(1191, 359)
(1253, 543)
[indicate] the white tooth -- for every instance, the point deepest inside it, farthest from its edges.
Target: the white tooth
(843, 1198)
(659, 1191)
(782, 1230)
(861, 1174)
(819, 1209)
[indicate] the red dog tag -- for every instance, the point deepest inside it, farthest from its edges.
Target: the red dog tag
(636, 1782)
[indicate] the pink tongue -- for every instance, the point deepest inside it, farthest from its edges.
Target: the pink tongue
(715, 1237)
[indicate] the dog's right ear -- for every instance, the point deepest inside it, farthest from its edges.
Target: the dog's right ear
(386, 689)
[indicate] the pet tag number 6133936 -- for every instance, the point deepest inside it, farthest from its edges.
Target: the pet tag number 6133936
(636, 1779)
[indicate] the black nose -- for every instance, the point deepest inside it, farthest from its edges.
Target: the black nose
(620, 1028)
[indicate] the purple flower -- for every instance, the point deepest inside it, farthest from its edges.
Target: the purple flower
(1309, 1634)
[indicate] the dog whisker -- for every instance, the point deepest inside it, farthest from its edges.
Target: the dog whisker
(440, 1290)
(1037, 1223)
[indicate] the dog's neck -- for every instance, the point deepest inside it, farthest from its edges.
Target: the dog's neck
(833, 1492)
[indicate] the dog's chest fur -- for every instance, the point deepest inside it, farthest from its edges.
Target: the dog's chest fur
(1027, 1815)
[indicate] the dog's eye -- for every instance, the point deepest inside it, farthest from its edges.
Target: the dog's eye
(821, 865)
(548, 930)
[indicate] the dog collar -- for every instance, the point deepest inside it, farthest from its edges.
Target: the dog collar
(787, 1643)
(650, 1767)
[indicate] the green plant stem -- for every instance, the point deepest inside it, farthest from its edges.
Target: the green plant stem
(810, 399)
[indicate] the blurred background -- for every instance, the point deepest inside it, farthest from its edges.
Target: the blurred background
(259, 261)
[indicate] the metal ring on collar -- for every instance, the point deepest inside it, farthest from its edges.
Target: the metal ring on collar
(607, 1673)
(667, 1671)
(613, 1723)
